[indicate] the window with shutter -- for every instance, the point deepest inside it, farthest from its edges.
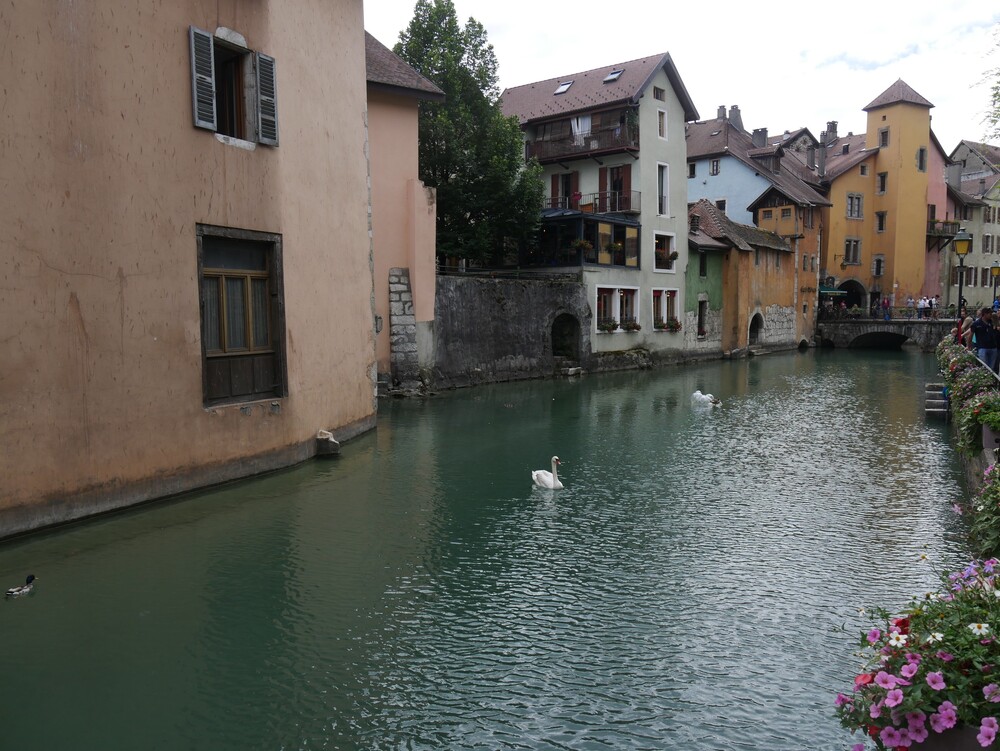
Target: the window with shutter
(233, 90)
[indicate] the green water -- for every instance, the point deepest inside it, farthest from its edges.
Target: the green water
(684, 591)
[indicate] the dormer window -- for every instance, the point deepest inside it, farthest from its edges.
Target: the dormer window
(563, 87)
(612, 76)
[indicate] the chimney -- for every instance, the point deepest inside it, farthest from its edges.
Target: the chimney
(982, 186)
(722, 112)
(811, 157)
(847, 147)
(735, 117)
(821, 162)
(694, 222)
(953, 175)
(831, 131)
(759, 138)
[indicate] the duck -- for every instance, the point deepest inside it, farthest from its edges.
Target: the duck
(24, 589)
(545, 479)
(707, 399)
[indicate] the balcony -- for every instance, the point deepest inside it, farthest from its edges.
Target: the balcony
(621, 138)
(940, 233)
(603, 202)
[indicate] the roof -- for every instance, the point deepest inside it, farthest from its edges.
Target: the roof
(792, 136)
(899, 92)
(963, 198)
(387, 71)
(538, 100)
(719, 137)
(699, 240)
(837, 162)
(979, 186)
(987, 152)
(715, 224)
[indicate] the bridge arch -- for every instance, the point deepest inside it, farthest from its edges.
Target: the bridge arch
(756, 328)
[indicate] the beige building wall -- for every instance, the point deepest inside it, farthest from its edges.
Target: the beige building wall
(403, 212)
(105, 177)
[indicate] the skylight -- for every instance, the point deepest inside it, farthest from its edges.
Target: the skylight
(563, 87)
(613, 76)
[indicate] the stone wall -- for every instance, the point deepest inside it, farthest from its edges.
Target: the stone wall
(495, 329)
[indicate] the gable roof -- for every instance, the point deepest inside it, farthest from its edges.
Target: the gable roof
(386, 71)
(538, 100)
(837, 162)
(719, 137)
(980, 186)
(899, 92)
(989, 153)
(714, 223)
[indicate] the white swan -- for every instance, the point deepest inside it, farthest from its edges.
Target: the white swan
(545, 479)
(707, 399)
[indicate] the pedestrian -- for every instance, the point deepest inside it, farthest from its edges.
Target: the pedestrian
(885, 308)
(909, 306)
(984, 338)
(921, 307)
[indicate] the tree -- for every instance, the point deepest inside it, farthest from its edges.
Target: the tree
(487, 198)
(992, 119)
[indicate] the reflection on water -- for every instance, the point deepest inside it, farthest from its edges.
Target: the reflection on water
(685, 590)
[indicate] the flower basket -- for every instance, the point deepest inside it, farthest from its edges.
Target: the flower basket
(630, 324)
(932, 673)
(583, 245)
(607, 325)
(660, 325)
(673, 325)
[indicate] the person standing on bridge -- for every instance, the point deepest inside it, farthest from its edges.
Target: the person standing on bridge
(984, 338)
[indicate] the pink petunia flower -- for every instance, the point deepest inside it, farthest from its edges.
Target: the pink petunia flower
(991, 692)
(885, 680)
(874, 635)
(890, 736)
(991, 723)
(894, 698)
(935, 681)
(986, 735)
(909, 670)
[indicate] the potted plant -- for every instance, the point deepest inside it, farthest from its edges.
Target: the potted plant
(607, 325)
(630, 324)
(673, 324)
(659, 324)
(931, 677)
(582, 245)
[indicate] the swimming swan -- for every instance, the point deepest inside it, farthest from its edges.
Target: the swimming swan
(707, 399)
(545, 479)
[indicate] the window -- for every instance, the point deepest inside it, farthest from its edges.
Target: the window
(616, 306)
(985, 277)
(562, 88)
(812, 263)
(617, 245)
(713, 167)
(233, 89)
(805, 262)
(883, 137)
(702, 264)
(807, 218)
(864, 170)
(702, 316)
(613, 76)
(767, 214)
(242, 325)
(721, 205)
(664, 252)
(854, 206)
(663, 189)
(659, 94)
(987, 243)
(878, 265)
(664, 307)
(922, 159)
(880, 221)
(756, 256)
(852, 250)
(692, 169)
(786, 213)
(882, 181)
(970, 276)
(661, 124)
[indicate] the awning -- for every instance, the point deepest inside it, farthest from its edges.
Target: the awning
(831, 291)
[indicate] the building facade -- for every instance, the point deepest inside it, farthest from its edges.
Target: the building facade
(187, 268)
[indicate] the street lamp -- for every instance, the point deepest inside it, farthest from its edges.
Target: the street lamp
(995, 273)
(962, 244)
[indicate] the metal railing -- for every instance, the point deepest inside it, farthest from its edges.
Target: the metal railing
(622, 137)
(602, 202)
(936, 227)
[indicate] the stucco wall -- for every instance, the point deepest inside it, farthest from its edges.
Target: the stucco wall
(101, 399)
(510, 339)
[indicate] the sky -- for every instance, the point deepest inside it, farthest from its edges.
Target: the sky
(787, 65)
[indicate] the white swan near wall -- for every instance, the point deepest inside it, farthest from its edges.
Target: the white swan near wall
(545, 479)
(705, 399)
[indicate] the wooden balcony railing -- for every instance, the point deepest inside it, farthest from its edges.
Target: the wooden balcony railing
(613, 139)
(603, 202)
(940, 228)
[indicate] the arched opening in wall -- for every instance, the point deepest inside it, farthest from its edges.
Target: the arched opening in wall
(856, 294)
(756, 326)
(566, 337)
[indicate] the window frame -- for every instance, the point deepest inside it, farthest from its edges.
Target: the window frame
(671, 267)
(714, 167)
(855, 206)
(664, 300)
(852, 251)
(275, 311)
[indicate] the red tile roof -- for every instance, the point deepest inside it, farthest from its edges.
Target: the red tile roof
(715, 224)
(898, 92)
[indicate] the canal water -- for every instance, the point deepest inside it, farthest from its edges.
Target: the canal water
(688, 589)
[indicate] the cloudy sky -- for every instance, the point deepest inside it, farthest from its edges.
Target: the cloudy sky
(787, 65)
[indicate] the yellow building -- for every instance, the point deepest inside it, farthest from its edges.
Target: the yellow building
(882, 233)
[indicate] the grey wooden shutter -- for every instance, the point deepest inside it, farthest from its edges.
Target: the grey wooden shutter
(203, 79)
(267, 101)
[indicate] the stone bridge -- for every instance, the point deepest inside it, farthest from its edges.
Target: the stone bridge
(880, 334)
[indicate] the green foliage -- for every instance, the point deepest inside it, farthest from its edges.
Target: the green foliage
(992, 79)
(487, 198)
(984, 526)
